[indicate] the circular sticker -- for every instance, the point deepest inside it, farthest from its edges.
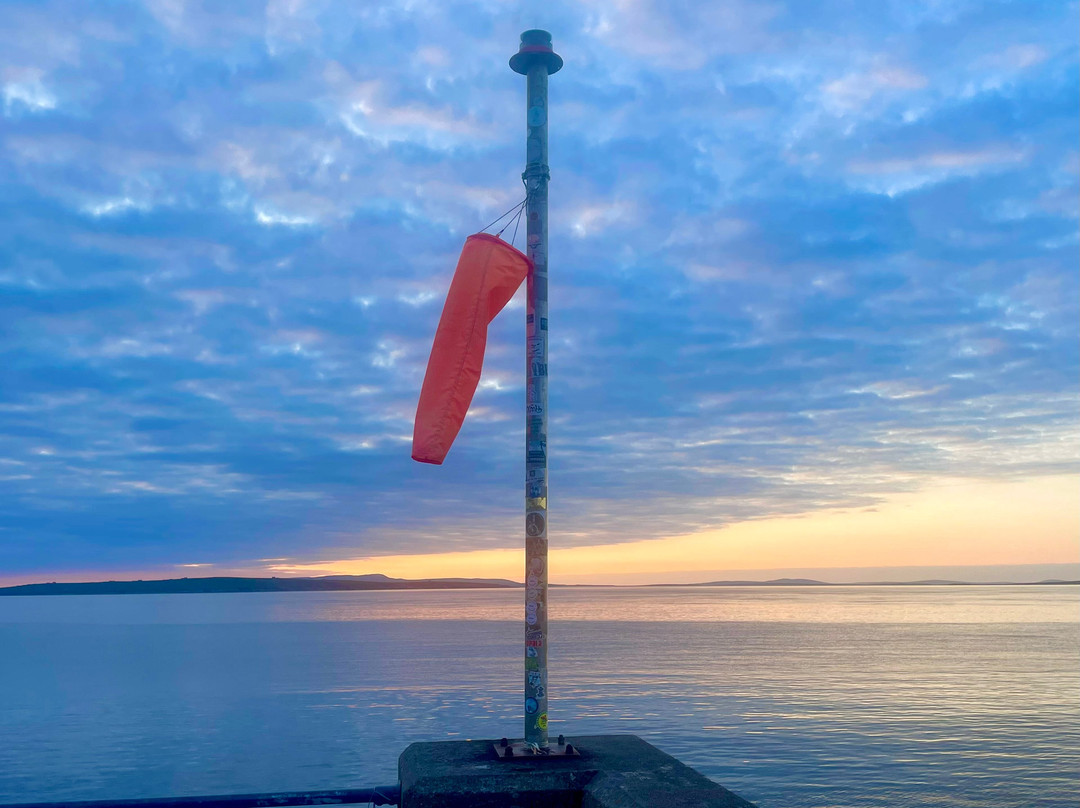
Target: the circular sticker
(536, 116)
(541, 721)
(531, 706)
(534, 524)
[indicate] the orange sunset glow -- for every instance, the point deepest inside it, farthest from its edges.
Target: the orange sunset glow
(953, 523)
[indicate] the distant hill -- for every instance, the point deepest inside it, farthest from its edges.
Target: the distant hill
(379, 577)
(931, 582)
(336, 583)
(774, 582)
(349, 583)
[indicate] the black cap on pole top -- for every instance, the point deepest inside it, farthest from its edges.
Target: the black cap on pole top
(535, 50)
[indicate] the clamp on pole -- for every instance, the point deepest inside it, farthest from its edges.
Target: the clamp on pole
(536, 171)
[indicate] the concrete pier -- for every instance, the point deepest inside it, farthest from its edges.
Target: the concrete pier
(611, 771)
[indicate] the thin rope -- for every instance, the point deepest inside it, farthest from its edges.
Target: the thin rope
(524, 205)
(517, 221)
(518, 205)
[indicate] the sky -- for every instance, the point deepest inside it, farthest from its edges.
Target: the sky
(813, 267)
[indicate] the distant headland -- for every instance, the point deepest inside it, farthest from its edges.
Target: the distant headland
(348, 583)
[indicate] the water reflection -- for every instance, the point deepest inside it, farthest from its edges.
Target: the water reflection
(809, 697)
(665, 604)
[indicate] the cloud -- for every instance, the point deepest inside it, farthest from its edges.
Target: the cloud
(368, 116)
(893, 175)
(270, 217)
(681, 35)
(24, 92)
(855, 90)
(799, 261)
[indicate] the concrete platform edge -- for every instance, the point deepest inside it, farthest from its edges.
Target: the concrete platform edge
(613, 771)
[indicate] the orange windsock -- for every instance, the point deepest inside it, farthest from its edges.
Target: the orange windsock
(487, 275)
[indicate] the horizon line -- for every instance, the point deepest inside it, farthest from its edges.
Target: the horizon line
(506, 583)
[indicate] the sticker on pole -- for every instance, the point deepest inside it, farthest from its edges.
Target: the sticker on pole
(535, 525)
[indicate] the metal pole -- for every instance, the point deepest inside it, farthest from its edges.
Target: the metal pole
(536, 60)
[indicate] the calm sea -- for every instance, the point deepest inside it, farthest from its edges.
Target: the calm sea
(848, 696)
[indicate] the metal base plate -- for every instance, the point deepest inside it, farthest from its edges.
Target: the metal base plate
(510, 750)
